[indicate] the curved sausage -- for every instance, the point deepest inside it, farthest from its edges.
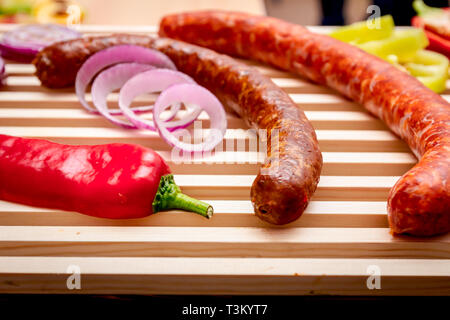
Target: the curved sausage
(290, 174)
(419, 203)
(57, 65)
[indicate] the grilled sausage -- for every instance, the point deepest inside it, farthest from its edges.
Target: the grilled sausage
(58, 64)
(419, 203)
(290, 174)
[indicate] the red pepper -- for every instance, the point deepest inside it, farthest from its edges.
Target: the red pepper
(438, 39)
(437, 43)
(117, 181)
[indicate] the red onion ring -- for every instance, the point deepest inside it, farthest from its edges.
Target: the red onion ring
(114, 55)
(190, 93)
(155, 80)
(137, 75)
(24, 42)
(2, 71)
(111, 79)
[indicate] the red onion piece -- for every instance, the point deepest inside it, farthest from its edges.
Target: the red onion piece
(191, 94)
(155, 80)
(24, 42)
(2, 71)
(114, 55)
(111, 79)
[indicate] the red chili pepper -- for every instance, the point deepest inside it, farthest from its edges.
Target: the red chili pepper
(118, 181)
(434, 22)
(436, 42)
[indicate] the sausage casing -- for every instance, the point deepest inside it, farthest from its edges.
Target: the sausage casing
(419, 203)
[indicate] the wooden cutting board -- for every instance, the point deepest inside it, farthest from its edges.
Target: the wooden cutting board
(341, 243)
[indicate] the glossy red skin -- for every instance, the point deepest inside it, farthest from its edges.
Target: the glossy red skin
(436, 41)
(281, 192)
(117, 181)
(419, 203)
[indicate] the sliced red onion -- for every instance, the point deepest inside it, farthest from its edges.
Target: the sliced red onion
(111, 79)
(2, 71)
(114, 55)
(24, 42)
(155, 80)
(191, 94)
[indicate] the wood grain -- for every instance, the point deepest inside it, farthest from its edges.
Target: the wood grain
(227, 213)
(216, 242)
(228, 276)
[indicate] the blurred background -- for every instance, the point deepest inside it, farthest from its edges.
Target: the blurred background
(148, 12)
(340, 12)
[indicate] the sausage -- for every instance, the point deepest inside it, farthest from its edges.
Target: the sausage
(419, 203)
(291, 171)
(57, 65)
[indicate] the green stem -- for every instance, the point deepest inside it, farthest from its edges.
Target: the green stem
(169, 197)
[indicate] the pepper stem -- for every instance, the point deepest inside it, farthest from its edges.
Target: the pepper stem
(169, 197)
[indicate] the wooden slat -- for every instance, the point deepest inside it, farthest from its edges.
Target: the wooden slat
(321, 120)
(217, 242)
(227, 213)
(329, 140)
(227, 276)
(19, 69)
(335, 163)
(330, 187)
(64, 99)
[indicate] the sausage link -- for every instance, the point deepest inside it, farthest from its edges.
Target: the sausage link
(419, 203)
(57, 65)
(291, 172)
